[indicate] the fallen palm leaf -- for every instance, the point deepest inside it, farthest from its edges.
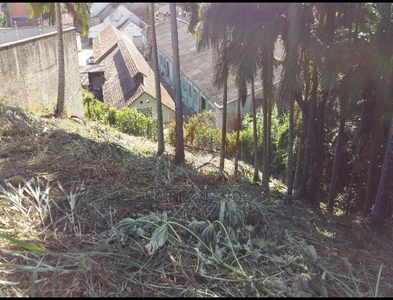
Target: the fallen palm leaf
(24, 244)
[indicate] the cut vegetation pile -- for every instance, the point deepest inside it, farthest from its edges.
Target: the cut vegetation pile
(88, 211)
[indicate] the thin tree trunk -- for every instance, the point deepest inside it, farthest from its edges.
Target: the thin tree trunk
(310, 136)
(179, 143)
(269, 139)
(290, 147)
(265, 158)
(372, 169)
(384, 182)
(60, 59)
(336, 164)
(255, 133)
(303, 137)
(300, 153)
(239, 126)
(354, 167)
(318, 154)
(160, 122)
(265, 176)
(224, 113)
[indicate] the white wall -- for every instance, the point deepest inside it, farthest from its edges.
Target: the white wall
(96, 8)
(149, 102)
(96, 30)
(117, 17)
(133, 31)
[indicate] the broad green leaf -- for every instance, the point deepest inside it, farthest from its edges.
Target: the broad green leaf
(158, 238)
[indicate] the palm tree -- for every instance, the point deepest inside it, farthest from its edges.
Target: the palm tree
(60, 59)
(153, 39)
(179, 143)
(289, 84)
(215, 22)
(348, 90)
(80, 13)
(245, 56)
(270, 22)
(220, 80)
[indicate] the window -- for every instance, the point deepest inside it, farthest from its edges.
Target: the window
(190, 89)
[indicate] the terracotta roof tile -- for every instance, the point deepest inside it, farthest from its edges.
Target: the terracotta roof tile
(124, 64)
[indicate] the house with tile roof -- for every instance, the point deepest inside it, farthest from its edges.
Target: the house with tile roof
(118, 15)
(129, 81)
(196, 70)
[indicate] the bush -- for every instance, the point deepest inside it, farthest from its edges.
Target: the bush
(201, 132)
(128, 120)
(171, 136)
(230, 146)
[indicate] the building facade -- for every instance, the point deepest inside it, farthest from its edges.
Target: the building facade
(196, 68)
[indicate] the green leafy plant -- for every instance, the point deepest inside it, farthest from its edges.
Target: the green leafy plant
(128, 120)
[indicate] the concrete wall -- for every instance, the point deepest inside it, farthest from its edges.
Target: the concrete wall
(12, 34)
(29, 73)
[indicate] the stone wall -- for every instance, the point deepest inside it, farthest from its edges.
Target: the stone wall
(28, 73)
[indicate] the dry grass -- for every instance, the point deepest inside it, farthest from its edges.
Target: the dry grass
(95, 205)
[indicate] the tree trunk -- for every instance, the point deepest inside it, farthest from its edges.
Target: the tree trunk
(265, 158)
(160, 122)
(224, 113)
(179, 143)
(300, 153)
(269, 139)
(318, 154)
(336, 164)
(239, 127)
(372, 169)
(255, 134)
(354, 167)
(60, 59)
(265, 176)
(310, 139)
(290, 148)
(384, 182)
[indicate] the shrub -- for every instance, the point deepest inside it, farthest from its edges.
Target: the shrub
(201, 132)
(128, 120)
(171, 136)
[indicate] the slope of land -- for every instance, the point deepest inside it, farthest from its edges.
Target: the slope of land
(88, 211)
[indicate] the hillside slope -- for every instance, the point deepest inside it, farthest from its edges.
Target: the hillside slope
(88, 211)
